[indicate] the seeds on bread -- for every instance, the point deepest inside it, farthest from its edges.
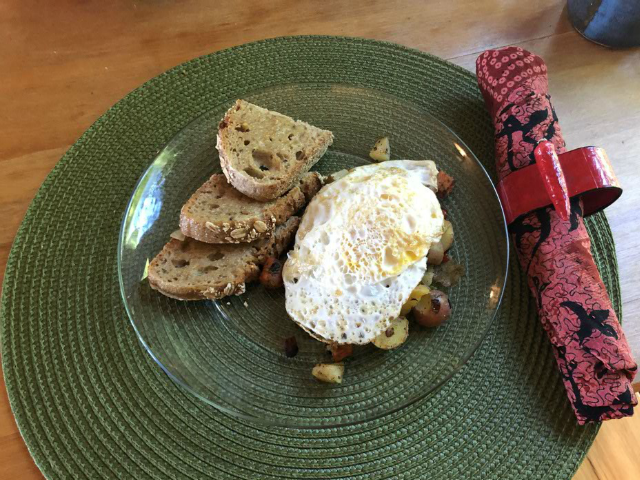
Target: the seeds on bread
(218, 213)
(263, 153)
(193, 270)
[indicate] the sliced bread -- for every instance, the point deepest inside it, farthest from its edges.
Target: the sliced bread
(263, 153)
(218, 213)
(191, 270)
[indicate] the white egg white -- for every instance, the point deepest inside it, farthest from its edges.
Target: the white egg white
(361, 249)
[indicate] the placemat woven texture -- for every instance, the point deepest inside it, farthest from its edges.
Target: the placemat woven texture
(91, 403)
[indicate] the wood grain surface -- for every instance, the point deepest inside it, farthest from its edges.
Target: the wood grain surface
(64, 63)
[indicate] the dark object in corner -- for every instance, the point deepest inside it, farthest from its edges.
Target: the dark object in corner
(612, 23)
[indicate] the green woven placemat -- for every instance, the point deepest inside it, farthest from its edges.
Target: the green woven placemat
(91, 403)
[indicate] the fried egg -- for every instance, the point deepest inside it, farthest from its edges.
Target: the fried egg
(361, 249)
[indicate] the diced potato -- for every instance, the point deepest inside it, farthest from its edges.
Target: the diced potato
(406, 308)
(419, 292)
(328, 372)
(427, 278)
(394, 336)
(435, 254)
(381, 151)
(413, 299)
(447, 235)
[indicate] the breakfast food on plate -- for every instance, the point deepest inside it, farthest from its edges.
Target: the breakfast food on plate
(271, 276)
(329, 372)
(432, 309)
(361, 250)
(235, 222)
(394, 336)
(368, 247)
(415, 296)
(218, 213)
(340, 352)
(290, 347)
(437, 250)
(336, 176)
(381, 151)
(445, 184)
(264, 153)
(448, 274)
(193, 270)
(424, 170)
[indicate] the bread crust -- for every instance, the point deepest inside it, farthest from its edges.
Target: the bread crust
(251, 220)
(192, 270)
(281, 168)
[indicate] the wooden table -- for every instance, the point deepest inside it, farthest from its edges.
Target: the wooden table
(63, 63)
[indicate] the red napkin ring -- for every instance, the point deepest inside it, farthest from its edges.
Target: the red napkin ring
(554, 178)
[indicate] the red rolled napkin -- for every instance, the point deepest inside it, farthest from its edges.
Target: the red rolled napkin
(590, 348)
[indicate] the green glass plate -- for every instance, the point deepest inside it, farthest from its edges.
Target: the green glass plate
(230, 352)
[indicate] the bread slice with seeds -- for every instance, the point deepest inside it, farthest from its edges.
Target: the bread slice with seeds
(218, 213)
(263, 153)
(191, 270)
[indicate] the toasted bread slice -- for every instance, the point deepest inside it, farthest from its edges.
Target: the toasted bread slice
(264, 153)
(218, 213)
(192, 270)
